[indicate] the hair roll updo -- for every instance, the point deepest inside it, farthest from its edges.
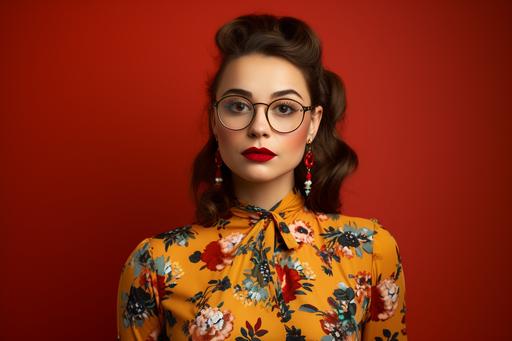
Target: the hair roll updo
(293, 40)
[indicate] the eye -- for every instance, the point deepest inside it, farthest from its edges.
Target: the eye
(235, 105)
(285, 107)
(238, 106)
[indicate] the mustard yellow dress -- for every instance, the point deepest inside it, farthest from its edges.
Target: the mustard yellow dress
(279, 274)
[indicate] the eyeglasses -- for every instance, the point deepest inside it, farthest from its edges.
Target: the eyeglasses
(284, 115)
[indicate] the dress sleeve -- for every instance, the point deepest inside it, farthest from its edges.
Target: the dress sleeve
(138, 305)
(386, 317)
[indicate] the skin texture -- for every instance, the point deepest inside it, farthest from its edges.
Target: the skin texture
(264, 184)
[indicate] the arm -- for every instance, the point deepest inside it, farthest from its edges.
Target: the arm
(386, 317)
(138, 304)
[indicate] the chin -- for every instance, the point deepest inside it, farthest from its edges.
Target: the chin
(255, 178)
(261, 175)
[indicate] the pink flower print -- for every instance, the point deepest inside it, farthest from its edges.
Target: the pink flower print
(211, 325)
(229, 243)
(302, 232)
(384, 300)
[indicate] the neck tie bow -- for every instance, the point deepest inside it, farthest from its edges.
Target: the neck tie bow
(272, 221)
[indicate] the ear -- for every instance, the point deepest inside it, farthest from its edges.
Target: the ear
(314, 124)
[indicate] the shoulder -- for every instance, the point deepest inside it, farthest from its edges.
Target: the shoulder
(179, 236)
(386, 254)
(371, 229)
(347, 222)
(160, 243)
(372, 224)
(385, 244)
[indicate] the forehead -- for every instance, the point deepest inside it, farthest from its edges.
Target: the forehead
(262, 75)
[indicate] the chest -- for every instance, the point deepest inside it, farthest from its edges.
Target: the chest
(260, 292)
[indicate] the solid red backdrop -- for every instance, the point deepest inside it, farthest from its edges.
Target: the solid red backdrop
(102, 112)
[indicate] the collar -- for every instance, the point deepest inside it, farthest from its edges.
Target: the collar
(285, 209)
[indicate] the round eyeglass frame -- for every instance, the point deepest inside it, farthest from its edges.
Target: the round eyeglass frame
(304, 109)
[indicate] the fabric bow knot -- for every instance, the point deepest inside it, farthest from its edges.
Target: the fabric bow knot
(261, 218)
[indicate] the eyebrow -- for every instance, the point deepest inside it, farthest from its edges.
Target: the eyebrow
(276, 94)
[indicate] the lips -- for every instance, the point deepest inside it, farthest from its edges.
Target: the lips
(258, 154)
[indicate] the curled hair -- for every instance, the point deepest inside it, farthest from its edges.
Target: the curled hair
(293, 40)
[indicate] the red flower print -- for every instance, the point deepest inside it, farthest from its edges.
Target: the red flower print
(161, 286)
(384, 300)
(289, 279)
(330, 322)
(220, 253)
(145, 278)
(213, 256)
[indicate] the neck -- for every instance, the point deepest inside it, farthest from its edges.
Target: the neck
(263, 194)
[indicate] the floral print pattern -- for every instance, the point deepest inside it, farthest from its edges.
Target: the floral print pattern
(344, 243)
(211, 324)
(218, 254)
(363, 287)
(291, 275)
(281, 274)
(252, 333)
(339, 321)
(385, 298)
(302, 232)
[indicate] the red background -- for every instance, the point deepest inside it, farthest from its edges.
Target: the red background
(101, 114)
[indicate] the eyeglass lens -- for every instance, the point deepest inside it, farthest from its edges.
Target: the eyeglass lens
(284, 115)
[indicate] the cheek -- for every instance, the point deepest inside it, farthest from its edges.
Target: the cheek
(227, 136)
(228, 142)
(296, 142)
(300, 136)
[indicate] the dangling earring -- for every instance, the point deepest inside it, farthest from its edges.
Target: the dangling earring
(309, 162)
(218, 173)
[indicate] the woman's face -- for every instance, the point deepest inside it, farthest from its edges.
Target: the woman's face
(261, 77)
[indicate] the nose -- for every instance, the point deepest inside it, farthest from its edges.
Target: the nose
(259, 125)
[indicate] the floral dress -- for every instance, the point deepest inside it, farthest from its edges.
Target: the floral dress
(279, 274)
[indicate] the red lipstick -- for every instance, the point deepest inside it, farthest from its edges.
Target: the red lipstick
(258, 154)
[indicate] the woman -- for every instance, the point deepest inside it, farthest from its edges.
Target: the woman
(270, 256)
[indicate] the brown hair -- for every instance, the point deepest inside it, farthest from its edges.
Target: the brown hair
(293, 40)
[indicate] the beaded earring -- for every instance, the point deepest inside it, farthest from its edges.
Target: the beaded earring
(309, 162)
(218, 173)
